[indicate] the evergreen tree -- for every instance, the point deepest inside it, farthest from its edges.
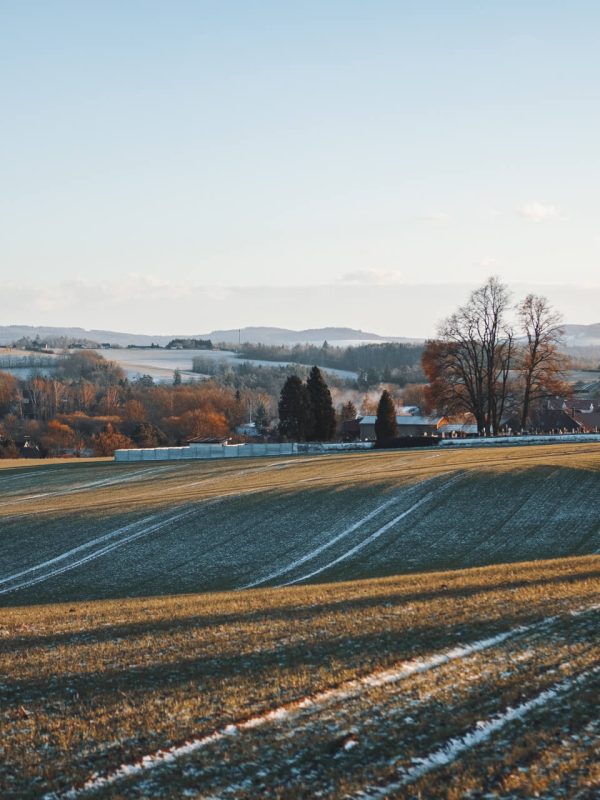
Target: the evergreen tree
(177, 378)
(261, 419)
(385, 424)
(348, 411)
(294, 410)
(321, 404)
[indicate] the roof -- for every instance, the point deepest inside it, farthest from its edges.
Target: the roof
(548, 419)
(469, 428)
(579, 404)
(404, 419)
(590, 420)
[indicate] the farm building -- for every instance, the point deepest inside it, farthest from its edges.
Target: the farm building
(408, 425)
(458, 429)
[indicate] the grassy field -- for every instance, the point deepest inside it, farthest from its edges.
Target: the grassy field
(396, 636)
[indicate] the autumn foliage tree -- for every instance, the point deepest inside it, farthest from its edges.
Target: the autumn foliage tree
(8, 391)
(59, 438)
(107, 441)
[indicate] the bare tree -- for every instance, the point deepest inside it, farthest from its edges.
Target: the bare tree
(541, 364)
(469, 365)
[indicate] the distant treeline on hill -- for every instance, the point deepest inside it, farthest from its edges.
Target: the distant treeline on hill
(190, 344)
(53, 342)
(391, 362)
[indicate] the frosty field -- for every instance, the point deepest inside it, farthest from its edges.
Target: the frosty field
(399, 624)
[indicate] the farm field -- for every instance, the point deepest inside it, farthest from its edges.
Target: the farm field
(160, 364)
(104, 530)
(411, 625)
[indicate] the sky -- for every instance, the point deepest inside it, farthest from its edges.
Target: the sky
(183, 166)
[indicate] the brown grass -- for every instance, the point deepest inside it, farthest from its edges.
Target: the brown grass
(89, 686)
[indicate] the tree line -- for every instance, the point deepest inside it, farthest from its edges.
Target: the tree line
(87, 404)
(388, 362)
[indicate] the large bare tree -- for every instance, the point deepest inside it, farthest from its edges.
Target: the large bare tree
(541, 363)
(469, 364)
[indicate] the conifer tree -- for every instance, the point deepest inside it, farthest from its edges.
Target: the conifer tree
(261, 419)
(294, 410)
(321, 405)
(385, 424)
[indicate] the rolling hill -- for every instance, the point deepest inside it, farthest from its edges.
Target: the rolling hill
(99, 531)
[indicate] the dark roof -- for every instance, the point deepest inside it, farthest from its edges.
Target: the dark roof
(590, 421)
(579, 404)
(549, 420)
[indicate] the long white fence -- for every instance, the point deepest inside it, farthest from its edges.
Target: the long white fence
(500, 441)
(247, 450)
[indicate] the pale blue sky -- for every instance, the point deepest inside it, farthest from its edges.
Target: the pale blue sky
(184, 145)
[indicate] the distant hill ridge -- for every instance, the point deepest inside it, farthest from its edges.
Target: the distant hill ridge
(575, 335)
(582, 335)
(254, 335)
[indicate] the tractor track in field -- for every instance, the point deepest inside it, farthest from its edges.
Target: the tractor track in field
(453, 748)
(150, 524)
(442, 755)
(377, 533)
(135, 530)
(352, 528)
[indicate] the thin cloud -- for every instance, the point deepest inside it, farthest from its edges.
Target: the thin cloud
(540, 212)
(439, 217)
(372, 277)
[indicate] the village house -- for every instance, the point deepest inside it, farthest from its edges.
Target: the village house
(408, 425)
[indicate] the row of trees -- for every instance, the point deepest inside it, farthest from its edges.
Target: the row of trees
(495, 361)
(306, 411)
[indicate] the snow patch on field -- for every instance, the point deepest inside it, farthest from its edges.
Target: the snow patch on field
(347, 690)
(483, 731)
(140, 528)
(326, 545)
(375, 535)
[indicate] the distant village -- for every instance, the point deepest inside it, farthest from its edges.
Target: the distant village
(64, 397)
